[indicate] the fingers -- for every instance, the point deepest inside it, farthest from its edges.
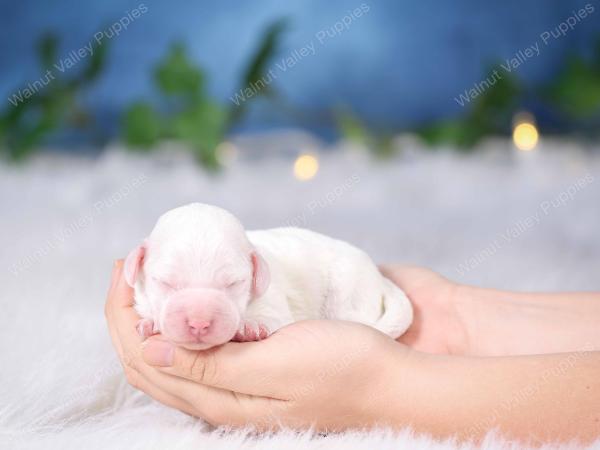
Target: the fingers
(200, 367)
(250, 368)
(114, 278)
(175, 393)
(120, 293)
(139, 382)
(216, 406)
(121, 317)
(402, 274)
(108, 307)
(412, 278)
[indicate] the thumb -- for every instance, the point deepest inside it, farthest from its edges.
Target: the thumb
(239, 367)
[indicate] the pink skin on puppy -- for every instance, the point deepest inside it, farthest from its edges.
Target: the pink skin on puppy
(194, 277)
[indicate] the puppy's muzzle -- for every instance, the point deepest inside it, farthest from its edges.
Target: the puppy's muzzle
(200, 316)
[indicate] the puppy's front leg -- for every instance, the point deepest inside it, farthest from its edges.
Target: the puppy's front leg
(145, 328)
(263, 317)
(251, 330)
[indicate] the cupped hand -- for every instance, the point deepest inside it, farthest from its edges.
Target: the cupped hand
(437, 325)
(327, 374)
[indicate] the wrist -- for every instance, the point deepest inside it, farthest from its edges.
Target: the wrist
(490, 321)
(500, 323)
(388, 397)
(479, 317)
(419, 392)
(465, 314)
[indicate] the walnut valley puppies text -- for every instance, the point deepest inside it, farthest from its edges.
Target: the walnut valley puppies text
(74, 56)
(524, 54)
(310, 48)
(525, 224)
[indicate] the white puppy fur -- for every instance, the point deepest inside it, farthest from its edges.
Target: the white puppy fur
(201, 280)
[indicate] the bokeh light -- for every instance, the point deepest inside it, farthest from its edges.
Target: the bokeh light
(525, 136)
(306, 166)
(226, 153)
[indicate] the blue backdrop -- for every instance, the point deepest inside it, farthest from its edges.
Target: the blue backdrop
(399, 63)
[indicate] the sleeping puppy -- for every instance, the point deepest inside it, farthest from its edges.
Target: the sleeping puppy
(201, 280)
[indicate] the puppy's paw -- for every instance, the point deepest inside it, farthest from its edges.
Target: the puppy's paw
(251, 330)
(145, 327)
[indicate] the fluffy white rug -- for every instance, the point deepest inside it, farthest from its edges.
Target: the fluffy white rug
(495, 219)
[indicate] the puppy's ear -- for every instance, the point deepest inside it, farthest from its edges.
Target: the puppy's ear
(261, 275)
(133, 263)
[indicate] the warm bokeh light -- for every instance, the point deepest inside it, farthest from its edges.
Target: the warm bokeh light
(226, 153)
(525, 136)
(306, 166)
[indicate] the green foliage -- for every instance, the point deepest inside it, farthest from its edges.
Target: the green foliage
(202, 127)
(176, 74)
(354, 130)
(459, 133)
(97, 62)
(576, 90)
(186, 112)
(267, 47)
(257, 68)
(47, 48)
(53, 107)
(192, 117)
(491, 113)
(141, 125)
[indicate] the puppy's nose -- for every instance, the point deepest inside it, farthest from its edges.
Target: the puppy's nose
(198, 328)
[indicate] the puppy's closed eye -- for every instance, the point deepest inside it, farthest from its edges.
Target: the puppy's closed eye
(233, 284)
(165, 284)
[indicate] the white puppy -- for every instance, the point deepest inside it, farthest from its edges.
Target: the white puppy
(201, 280)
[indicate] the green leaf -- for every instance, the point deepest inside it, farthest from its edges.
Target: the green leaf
(202, 127)
(596, 57)
(33, 136)
(491, 113)
(97, 62)
(352, 128)
(576, 90)
(24, 126)
(28, 132)
(459, 133)
(500, 97)
(47, 48)
(141, 125)
(258, 66)
(176, 74)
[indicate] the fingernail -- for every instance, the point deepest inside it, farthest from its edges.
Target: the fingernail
(158, 353)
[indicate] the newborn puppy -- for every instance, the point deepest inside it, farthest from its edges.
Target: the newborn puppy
(201, 280)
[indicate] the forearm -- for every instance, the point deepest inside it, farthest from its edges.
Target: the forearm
(511, 323)
(530, 398)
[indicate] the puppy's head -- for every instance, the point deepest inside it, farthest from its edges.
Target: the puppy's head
(195, 275)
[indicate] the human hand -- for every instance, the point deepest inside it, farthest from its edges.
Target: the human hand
(335, 375)
(437, 326)
(328, 374)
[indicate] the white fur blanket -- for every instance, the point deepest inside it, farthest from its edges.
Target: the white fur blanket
(496, 219)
